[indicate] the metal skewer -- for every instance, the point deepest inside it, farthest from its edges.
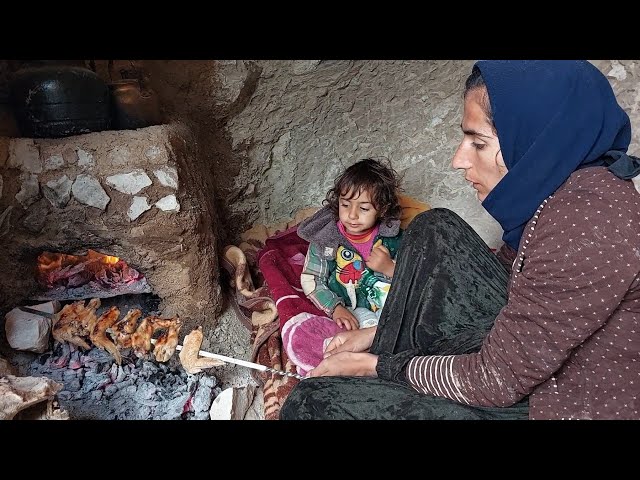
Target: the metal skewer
(243, 363)
(34, 311)
(224, 358)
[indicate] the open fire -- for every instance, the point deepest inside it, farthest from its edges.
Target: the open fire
(133, 372)
(94, 275)
(107, 367)
(94, 387)
(141, 202)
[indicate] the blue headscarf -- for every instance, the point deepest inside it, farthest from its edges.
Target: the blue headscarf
(552, 118)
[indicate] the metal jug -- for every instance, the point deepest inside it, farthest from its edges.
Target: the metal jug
(133, 107)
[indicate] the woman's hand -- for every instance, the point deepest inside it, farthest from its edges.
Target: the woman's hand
(354, 341)
(345, 318)
(348, 364)
(380, 261)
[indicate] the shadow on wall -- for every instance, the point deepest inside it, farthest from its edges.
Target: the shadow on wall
(200, 94)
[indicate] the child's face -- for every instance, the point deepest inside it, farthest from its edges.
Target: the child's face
(357, 214)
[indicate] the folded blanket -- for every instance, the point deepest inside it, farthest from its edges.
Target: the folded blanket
(279, 263)
(303, 326)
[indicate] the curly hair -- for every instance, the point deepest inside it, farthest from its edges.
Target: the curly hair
(376, 177)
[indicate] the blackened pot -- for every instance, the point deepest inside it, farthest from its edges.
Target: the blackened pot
(59, 101)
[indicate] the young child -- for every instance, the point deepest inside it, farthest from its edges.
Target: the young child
(353, 242)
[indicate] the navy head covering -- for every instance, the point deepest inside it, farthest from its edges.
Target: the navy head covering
(552, 118)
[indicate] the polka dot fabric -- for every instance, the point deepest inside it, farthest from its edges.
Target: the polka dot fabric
(570, 332)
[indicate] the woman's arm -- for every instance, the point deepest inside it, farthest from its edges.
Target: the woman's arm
(577, 268)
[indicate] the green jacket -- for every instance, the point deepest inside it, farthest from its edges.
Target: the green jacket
(334, 273)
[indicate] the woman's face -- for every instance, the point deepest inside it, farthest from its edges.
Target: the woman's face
(479, 152)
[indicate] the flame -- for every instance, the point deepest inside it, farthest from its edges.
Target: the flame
(54, 266)
(93, 256)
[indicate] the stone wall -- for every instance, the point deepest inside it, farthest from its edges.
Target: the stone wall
(306, 120)
(276, 133)
(135, 194)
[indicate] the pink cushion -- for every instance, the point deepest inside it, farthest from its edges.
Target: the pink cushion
(303, 337)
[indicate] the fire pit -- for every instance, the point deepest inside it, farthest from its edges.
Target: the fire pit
(79, 206)
(126, 217)
(108, 372)
(70, 277)
(96, 388)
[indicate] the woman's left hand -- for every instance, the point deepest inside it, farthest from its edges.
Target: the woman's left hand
(347, 364)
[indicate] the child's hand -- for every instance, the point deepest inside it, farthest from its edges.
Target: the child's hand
(345, 318)
(380, 261)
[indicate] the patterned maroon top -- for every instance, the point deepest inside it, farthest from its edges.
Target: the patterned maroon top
(570, 332)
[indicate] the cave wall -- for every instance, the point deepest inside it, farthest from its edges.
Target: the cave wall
(277, 132)
(274, 133)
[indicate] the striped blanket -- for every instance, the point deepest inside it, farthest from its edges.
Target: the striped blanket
(265, 308)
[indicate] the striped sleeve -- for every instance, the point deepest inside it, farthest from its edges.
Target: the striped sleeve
(433, 375)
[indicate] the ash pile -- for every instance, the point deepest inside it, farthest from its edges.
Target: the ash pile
(94, 387)
(113, 368)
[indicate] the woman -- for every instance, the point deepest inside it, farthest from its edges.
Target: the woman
(547, 329)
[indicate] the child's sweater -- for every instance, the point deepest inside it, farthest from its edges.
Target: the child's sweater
(334, 273)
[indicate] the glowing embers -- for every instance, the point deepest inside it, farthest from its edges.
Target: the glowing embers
(68, 277)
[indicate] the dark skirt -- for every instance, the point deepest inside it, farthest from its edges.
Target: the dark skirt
(447, 290)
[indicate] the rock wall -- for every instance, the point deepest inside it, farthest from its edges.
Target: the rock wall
(277, 132)
(272, 134)
(307, 120)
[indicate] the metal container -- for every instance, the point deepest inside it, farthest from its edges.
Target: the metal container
(58, 101)
(133, 107)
